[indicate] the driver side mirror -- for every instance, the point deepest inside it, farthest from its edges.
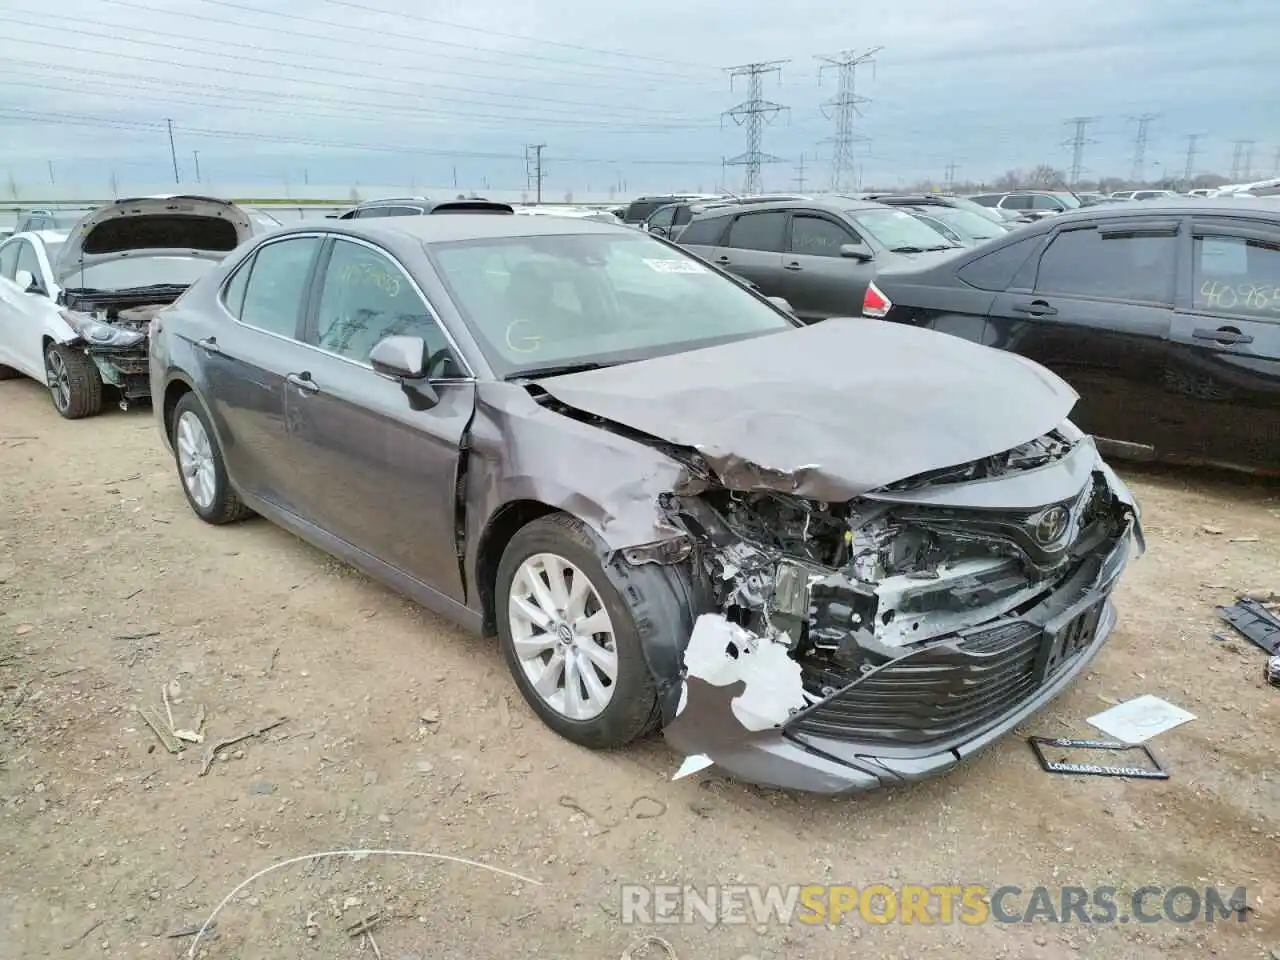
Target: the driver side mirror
(26, 280)
(855, 251)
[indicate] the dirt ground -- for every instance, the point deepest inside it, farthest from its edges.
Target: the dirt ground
(404, 733)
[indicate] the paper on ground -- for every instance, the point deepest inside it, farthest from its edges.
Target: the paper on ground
(1137, 721)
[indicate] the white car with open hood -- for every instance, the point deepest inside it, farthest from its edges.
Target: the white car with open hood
(75, 308)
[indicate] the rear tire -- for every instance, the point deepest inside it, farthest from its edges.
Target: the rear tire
(75, 385)
(201, 470)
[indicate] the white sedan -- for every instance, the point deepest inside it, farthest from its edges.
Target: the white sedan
(30, 317)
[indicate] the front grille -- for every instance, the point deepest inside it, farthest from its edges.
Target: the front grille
(936, 694)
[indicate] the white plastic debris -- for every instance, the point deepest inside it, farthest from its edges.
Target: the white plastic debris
(692, 765)
(1138, 720)
(722, 653)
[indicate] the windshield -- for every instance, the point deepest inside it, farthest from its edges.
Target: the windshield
(546, 301)
(991, 213)
(65, 219)
(140, 272)
(899, 231)
(967, 223)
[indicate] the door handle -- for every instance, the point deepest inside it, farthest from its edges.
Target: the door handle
(722, 259)
(1035, 308)
(793, 266)
(209, 345)
(303, 382)
(1223, 336)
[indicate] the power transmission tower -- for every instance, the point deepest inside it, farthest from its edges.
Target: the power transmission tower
(1188, 171)
(1242, 160)
(1140, 147)
(1077, 144)
(843, 108)
(533, 167)
(950, 181)
(800, 179)
(753, 113)
(173, 153)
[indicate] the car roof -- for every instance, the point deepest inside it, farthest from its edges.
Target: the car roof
(839, 204)
(457, 226)
(44, 236)
(1171, 206)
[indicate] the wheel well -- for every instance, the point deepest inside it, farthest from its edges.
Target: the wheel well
(172, 394)
(503, 525)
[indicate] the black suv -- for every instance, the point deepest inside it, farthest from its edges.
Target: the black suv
(640, 209)
(420, 206)
(817, 255)
(1164, 316)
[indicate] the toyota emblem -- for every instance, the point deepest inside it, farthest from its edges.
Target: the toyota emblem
(1051, 525)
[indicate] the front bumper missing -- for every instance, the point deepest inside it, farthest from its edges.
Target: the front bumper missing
(127, 369)
(920, 714)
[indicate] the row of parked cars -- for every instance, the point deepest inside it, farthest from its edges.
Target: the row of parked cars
(654, 483)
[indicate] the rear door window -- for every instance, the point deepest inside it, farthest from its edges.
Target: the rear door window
(277, 286)
(1236, 275)
(9, 259)
(758, 231)
(1133, 266)
(1019, 202)
(1042, 201)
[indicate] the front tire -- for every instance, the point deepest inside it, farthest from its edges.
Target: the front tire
(569, 637)
(200, 466)
(75, 385)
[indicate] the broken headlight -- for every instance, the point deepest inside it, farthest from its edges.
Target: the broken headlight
(99, 332)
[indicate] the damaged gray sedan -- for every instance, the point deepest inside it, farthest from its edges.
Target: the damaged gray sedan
(825, 557)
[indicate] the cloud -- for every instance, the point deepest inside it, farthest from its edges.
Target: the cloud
(625, 95)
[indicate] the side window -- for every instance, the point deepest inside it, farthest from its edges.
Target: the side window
(9, 259)
(684, 213)
(277, 285)
(706, 232)
(366, 298)
(1017, 202)
(1237, 275)
(233, 292)
(757, 231)
(995, 271)
(1113, 266)
(27, 260)
(1040, 201)
(663, 217)
(817, 236)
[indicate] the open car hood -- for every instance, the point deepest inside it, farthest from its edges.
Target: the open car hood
(189, 226)
(829, 411)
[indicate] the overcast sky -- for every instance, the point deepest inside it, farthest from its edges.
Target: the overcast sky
(332, 92)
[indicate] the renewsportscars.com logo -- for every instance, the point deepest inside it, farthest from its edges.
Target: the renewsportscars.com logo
(942, 904)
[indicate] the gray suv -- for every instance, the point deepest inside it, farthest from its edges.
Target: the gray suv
(817, 255)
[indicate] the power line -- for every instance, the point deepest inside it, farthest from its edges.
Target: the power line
(172, 151)
(533, 166)
(1140, 146)
(599, 81)
(1077, 144)
(417, 86)
(843, 108)
(1188, 171)
(557, 61)
(753, 113)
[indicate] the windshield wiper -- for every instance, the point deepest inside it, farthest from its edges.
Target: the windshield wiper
(556, 370)
(910, 249)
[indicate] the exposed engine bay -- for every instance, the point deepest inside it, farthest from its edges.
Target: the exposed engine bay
(851, 586)
(114, 326)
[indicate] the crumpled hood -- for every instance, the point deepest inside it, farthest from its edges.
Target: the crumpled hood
(829, 411)
(202, 227)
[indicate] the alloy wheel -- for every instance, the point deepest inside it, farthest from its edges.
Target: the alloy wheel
(195, 460)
